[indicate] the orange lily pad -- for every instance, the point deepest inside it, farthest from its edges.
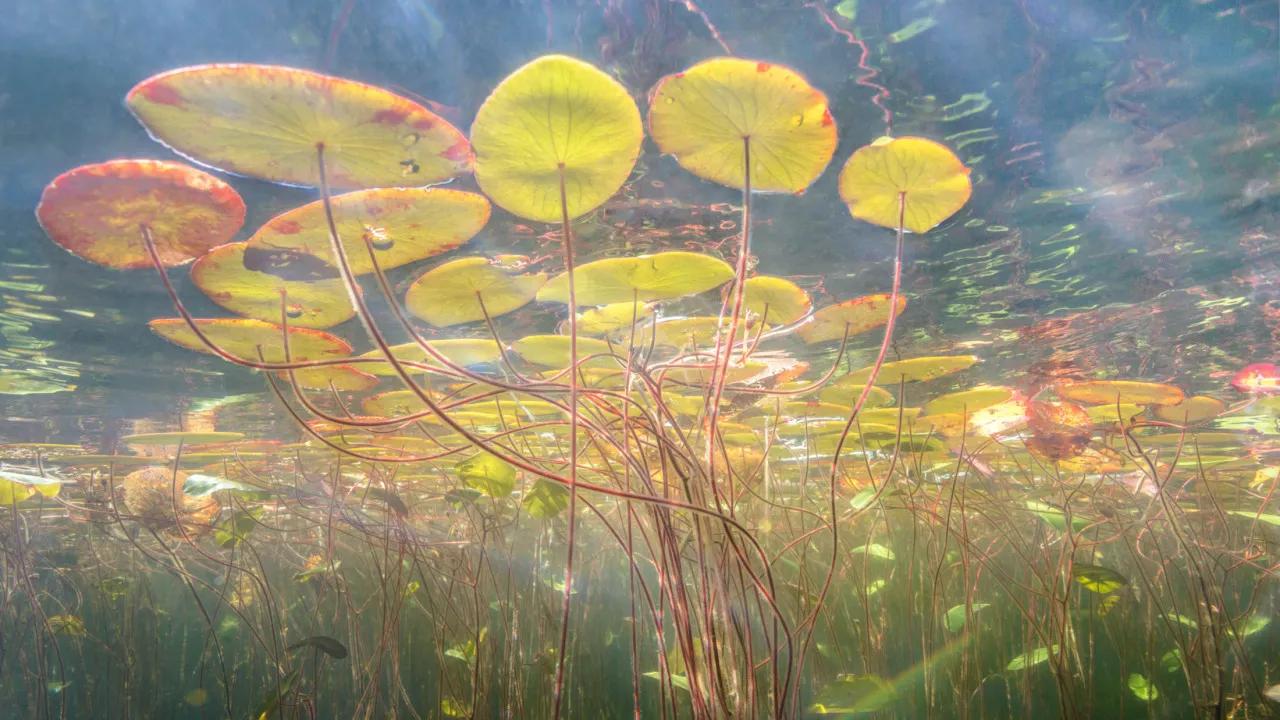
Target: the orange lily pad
(96, 211)
(267, 121)
(403, 225)
(708, 115)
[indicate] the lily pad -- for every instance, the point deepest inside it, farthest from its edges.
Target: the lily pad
(920, 177)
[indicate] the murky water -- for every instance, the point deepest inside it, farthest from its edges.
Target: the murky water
(1091, 532)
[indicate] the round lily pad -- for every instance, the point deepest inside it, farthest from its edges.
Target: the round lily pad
(225, 276)
(460, 351)
(778, 300)
(267, 121)
(96, 212)
(464, 290)
(850, 318)
(708, 115)
(243, 337)
(1098, 392)
(556, 119)
(919, 369)
(403, 225)
(930, 180)
(643, 278)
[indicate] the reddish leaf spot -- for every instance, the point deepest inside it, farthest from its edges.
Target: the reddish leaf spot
(287, 227)
(424, 123)
(679, 75)
(161, 93)
(390, 117)
(826, 118)
(763, 67)
(458, 152)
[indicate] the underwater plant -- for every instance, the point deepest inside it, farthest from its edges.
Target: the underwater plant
(519, 479)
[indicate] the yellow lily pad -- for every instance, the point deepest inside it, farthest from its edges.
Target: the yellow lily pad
(844, 391)
(556, 119)
(708, 115)
(971, 400)
(403, 225)
(919, 369)
(1098, 392)
(1191, 411)
(689, 333)
(224, 275)
(95, 212)
(453, 293)
(343, 378)
(267, 121)
(553, 351)
(850, 317)
(614, 317)
(173, 439)
(778, 300)
(466, 352)
(242, 338)
(643, 278)
(930, 179)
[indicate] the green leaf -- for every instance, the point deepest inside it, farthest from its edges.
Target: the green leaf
(1171, 662)
(1142, 688)
(546, 499)
(273, 700)
(390, 499)
(329, 646)
(465, 652)
(232, 531)
(316, 572)
(847, 9)
(202, 485)
(68, 625)
(954, 619)
(1097, 578)
(1031, 659)
(875, 550)
(487, 474)
(1254, 624)
(1267, 518)
(853, 694)
(679, 681)
(1055, 517)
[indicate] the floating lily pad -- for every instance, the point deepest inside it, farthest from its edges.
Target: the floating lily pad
(778, 300)
(343, 378)
(173, 439)
(643, 278)
(96, 212)
(467, 352)
(553, 351)
(850, 317)
(927, 179)
(919, 369)
(403, 225)
(1192, 410)
(244, 337)
(1098, 392)
(971, 400)
(556, 119)
(267, 121)
(224, 276)
(464, 290)
(707, 115)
